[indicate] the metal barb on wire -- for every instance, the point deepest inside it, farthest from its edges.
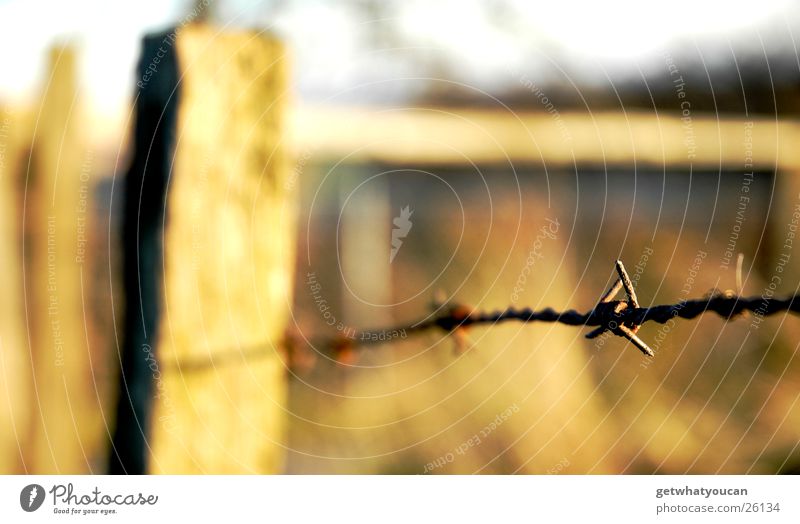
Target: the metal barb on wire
(620, 317)
(626, 330)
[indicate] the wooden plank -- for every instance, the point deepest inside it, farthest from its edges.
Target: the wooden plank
(228, 259)
(441, 135)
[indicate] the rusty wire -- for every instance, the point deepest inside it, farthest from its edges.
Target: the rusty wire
(619, 317)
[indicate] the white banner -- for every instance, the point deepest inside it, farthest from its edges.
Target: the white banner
(371, 499)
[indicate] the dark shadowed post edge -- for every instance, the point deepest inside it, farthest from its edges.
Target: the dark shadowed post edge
(143, 221)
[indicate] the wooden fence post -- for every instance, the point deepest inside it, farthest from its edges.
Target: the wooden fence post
(228, 252)
(14, 359)
(143, 216)
(66, 424)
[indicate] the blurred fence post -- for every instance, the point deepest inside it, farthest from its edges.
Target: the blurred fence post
(66, 425)
(143, 216)
(228, 250)
(15, 410)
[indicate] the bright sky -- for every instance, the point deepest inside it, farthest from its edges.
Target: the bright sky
(334, 44)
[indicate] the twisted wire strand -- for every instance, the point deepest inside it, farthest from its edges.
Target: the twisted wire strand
(726, 304)
(620, 317)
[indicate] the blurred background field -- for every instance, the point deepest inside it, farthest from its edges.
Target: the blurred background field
(660, 140)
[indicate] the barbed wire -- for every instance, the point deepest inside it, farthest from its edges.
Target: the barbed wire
(622, 318)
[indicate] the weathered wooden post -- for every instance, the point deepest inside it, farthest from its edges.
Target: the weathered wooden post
(143, 215)
(14, 359)
(66, 423)
(210, 118)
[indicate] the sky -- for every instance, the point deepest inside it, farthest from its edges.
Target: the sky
(337, 45)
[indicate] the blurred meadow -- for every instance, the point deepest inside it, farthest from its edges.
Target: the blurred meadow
(302, 171)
